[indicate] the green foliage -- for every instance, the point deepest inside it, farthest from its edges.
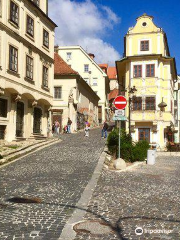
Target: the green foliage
(130, 151)
(140, 151)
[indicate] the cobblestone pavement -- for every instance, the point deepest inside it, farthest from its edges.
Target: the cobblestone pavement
(146, 197)
(57, 175)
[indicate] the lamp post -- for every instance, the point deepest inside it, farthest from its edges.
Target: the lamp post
(131, 92)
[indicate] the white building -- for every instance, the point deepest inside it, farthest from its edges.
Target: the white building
(26, 68)
(73, 97)
(84, 64)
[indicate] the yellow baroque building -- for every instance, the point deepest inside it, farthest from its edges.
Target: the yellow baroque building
(146, 76)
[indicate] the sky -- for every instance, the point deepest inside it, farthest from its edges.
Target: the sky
(99, 26)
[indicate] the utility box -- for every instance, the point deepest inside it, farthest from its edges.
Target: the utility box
(151, 156)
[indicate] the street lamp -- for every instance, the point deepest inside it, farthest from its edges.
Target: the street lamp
(131, 92)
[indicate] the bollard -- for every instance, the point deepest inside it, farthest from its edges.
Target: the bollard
(151, 155)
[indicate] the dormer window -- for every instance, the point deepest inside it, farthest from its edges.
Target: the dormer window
(144, 45)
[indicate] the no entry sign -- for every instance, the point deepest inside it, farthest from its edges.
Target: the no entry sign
(120, 102)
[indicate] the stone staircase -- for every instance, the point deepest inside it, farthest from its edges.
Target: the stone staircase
(37, 136)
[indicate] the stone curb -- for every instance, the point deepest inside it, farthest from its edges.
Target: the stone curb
(168, 154)
(22, 148)
(25, 151)
(134, 165)
(68, 233)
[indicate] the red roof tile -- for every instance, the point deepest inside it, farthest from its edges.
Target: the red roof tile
(61, 67)
(112, 73)
(113, 94)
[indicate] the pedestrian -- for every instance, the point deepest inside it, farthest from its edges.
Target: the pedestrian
(53, 128)
(57, 127)
(69, 122)
(86, 129)
(104, 129)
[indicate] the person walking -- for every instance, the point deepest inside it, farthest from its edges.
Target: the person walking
(87, 128)
(57, 127)
(69, 122)
(104, 130)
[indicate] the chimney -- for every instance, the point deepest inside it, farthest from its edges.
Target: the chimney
(92, 56)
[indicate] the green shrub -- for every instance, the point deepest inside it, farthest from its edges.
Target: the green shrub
(130, 151)
(139, 151)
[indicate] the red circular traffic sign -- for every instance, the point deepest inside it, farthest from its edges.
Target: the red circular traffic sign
(120, 102)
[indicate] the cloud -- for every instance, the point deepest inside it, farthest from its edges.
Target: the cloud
(85, 24)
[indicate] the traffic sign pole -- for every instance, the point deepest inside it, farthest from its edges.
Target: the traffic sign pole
(119, 139)
(120, 103)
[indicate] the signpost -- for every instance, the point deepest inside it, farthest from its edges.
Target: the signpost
(120, 103)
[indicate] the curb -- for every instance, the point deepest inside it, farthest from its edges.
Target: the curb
(168, 154)
(134, 165)
(68, 233)
(25, 151)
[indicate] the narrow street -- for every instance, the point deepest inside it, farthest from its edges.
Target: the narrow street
(55, 177)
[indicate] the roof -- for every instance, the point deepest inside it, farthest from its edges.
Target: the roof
(43, 13)
(112, 73)
(86, 54)
(61, 67)
(104, 65)
(113, 94)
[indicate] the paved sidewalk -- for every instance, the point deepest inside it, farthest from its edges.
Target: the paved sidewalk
(146, 197)
(56, 177)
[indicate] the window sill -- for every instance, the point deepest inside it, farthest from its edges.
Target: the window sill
(46, 48)
(58, 99)
(30, 37)
(29, 80)
(13, 73)
(45, 88)
(13, 24)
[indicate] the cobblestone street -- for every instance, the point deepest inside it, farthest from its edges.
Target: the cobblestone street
(56, 176)
(146, 197)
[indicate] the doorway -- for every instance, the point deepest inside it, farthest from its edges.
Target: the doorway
(144, 134)
(37, 120)
(19, 119)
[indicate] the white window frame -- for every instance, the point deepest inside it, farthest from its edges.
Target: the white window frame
(54, 92)
(69, 55)
(85, 69)
(139, 46)
(95, 83)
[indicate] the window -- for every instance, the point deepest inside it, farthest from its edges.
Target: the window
(36, 2)
(58, 92)
(45, 38)
(150, 103)
(137, 103)
(3, 108)
(45, 77)
(14, 13)
(29, 67)
(138, 71)
(13, 59)
(30, 26)
(69, 55)
(95, 82)
(150, 70)
(86, 67)
(86, 80)
(144, 46)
